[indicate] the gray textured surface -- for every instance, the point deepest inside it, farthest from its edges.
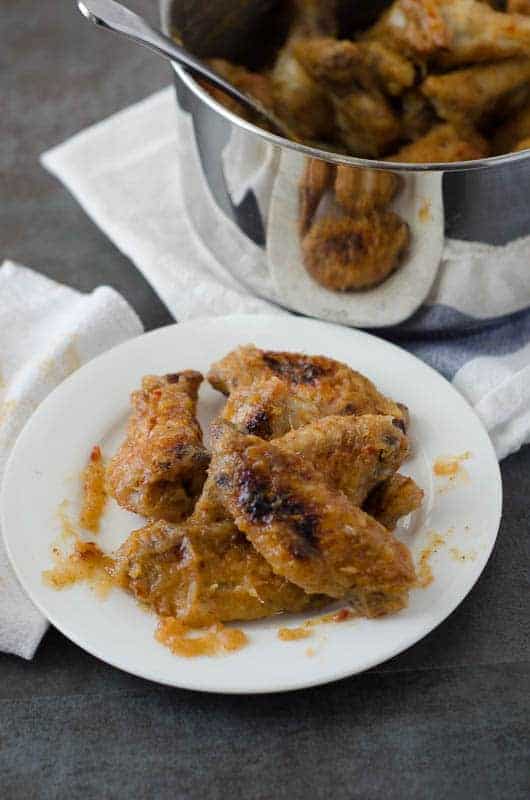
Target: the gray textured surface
(447, 719)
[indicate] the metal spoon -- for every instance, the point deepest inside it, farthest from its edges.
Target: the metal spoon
(116, 17)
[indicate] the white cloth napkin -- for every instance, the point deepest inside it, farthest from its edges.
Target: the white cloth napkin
(46, 332)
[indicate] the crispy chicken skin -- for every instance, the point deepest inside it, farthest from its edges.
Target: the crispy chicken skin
(161, 466)
(310, 534)
(264, 408)
(204, 570)
(318, 386)
(392, 499)
(451, 33)
(475, 95)
(349, 253)
(352, 454)
(298, 98)
(341, 63)
(443, 143)
(365, 123)
(360, 191)
(316, 178)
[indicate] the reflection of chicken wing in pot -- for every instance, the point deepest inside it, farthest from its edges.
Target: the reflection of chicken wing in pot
(355, 252)
(161, 466)
(361, 190)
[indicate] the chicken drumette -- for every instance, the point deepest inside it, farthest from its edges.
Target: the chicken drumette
(161, 466)
(316, 386)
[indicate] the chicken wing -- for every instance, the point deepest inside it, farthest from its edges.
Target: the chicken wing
(352, 454)
(204, 570)
(316, 178)
(524, 144)
(298, 98)
(452, 33)
(340, 63)
(518, 7)
(365, 123)
(355, 252)
(360, 191)
(318, 386)
(443, 143)
(310, 534)
(161, 466)
(392, 499)
(477, 95)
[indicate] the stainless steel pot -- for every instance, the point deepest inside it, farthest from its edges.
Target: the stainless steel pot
(485, 200)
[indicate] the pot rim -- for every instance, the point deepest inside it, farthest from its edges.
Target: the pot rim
(339, 158)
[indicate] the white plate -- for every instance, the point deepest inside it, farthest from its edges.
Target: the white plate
(419, 203)
(91, 407)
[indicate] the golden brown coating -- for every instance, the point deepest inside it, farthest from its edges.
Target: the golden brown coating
(476, 95)
(341, 63)
(415, 27)
(355, 252)
(161, 466)
(443, 143)
(204, 571)
(392, 499)
(316, 178)
(451, 33)
(310, 534)
(479, 33)
(508, 135)
(365, 123)
(360, 191)
(352, 454)
(263, 409)
(317, 386)
(298, 99)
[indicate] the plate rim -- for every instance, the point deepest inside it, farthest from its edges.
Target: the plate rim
(205, 686)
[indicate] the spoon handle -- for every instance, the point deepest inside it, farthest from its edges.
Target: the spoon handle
(116, 17)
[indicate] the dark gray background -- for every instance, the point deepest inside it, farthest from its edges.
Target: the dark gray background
(447, 719)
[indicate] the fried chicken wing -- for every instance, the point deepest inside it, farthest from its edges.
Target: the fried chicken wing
(365, 123)
(443, 143)
(161, 466)
(452, 33)
(341, 63)
(309, 533)
(416, 27)
(298, 98)
(355, 252)
(476, 95)
(205, 570)
(480, 33)
(360, 191)
(352, 454)
(316, 178)
(254, 84)
(392, 499)
(318, 386)
(524, 144)
(263, 409)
